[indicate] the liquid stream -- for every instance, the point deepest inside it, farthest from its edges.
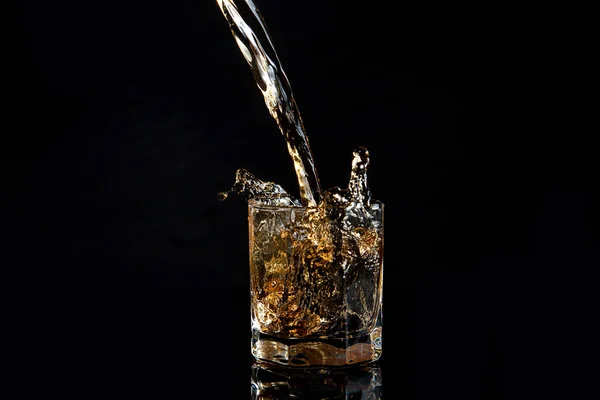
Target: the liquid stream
(319, 273)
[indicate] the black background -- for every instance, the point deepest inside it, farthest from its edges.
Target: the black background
(125, 119)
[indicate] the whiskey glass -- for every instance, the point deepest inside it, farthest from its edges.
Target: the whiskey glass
(316, 284)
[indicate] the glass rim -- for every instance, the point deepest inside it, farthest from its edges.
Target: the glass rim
(254, 203)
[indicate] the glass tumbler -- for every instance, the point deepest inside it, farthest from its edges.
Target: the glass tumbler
(316, 284)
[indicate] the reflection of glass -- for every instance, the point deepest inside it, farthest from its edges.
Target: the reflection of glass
(316, 284)
(272, 382)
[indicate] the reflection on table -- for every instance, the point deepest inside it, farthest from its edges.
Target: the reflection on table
(272, 382)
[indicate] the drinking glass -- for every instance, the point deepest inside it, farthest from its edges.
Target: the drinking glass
(316, 284)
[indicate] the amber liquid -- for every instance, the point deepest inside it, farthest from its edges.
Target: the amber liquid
(252, 36)
(316, 263)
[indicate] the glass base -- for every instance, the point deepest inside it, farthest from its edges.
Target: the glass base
(317, 352)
